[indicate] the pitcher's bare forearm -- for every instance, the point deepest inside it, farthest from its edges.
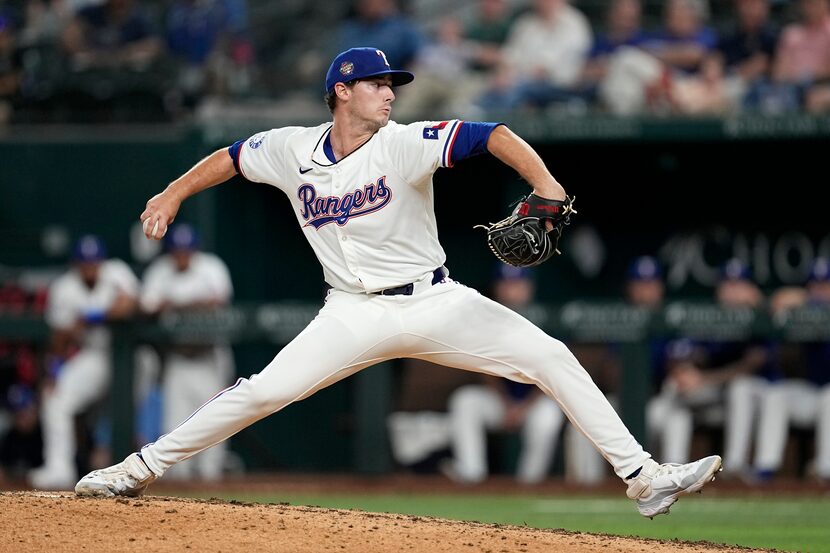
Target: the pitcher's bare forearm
(162, 208)
(210, 171)
(515, 152)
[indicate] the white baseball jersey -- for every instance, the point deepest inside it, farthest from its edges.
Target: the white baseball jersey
(206, 279)
(70, 298)
(369, 217)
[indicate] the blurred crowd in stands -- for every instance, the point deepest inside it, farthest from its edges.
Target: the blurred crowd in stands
(154, 60)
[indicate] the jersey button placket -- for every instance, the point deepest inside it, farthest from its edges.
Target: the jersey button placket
(346, 247)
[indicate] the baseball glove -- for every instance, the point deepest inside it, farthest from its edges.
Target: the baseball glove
(521, 239)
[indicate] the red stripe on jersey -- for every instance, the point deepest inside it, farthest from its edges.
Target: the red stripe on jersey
(452, 143)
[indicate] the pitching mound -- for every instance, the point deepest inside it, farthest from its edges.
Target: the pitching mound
(46, 522)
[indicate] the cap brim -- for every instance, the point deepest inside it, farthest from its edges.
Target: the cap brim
(399, 78)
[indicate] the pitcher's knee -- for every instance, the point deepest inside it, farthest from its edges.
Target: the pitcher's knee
(550, 356)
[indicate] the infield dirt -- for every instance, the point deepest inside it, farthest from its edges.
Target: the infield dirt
(52, 522)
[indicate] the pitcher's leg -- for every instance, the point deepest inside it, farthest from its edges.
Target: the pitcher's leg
(336, 344)
(460, 328)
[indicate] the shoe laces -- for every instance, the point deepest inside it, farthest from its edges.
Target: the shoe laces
(673, 471)
(119, 477)
(640, 485)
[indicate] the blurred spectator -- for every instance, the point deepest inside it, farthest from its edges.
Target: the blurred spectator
(446, 80)
(748, 48)
(186, 279)
(685, 39)
(623, 27)
(673, 71)
(379, 24)
(501, 404)
(803, 401)
(644, 285)
(21, 447)
(11, 68)
(714, 382)
(801, 70)
(44, 20)
(455, 65)
(645, 288)
(488, 30)
(209, 39)
(543, 58)
(110, 35)
(114, 70)
(94, 291)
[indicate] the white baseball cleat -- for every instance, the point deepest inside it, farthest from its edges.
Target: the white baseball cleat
(657, 486)
(128, 478)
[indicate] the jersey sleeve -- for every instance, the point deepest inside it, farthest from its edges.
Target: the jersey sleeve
(419, 149)
(260, 158)
(61, 311)
(153, 287)
(220, 279)
(124, 278)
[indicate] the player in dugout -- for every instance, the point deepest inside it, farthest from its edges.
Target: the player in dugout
(361, 188)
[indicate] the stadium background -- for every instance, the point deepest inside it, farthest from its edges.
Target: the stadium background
(692, 191)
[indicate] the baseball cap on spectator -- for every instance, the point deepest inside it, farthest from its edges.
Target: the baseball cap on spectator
(680, 349)
(503, 271)
(644, 267)
(181, 237)
(89, 248)
(735, 269)
(820, 271)
(20, 397)
(362, 63)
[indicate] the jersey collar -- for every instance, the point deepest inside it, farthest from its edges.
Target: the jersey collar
(323, 153)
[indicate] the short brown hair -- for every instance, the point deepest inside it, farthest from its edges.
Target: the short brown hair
(331, 96)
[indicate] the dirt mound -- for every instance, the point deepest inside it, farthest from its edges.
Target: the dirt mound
(51, 522)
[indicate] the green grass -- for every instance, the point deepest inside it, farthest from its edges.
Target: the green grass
(785, 523)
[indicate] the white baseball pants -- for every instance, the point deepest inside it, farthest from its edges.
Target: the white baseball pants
(798, 403)
(83, 380)
(449, 324)
(671, 417)
(188, 382)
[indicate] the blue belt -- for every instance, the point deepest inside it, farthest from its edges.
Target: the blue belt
(407, 289)
(404, 289)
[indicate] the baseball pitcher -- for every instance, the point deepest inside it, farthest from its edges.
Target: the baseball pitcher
(361, 189)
